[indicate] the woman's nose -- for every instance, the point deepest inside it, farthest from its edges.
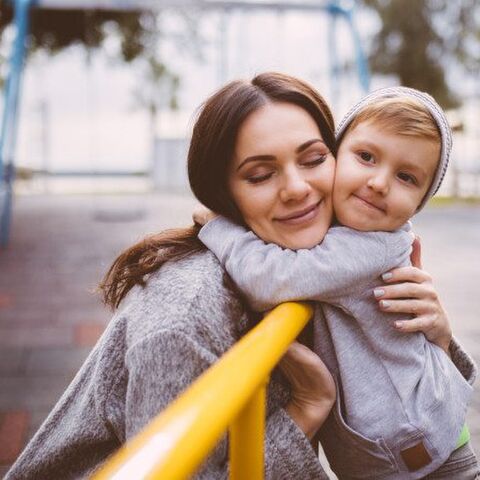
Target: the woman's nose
(295, 187)
(379, 182)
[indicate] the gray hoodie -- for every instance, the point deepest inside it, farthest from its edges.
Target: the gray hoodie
(401, 401)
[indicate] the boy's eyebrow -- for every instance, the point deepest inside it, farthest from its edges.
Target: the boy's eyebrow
(299, 149)
(367, 143)
(417, 168)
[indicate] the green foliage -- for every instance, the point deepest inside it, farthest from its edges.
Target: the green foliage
(3, 62)
(158, 87)
(460, 28)
(53, 30)
(420, 39)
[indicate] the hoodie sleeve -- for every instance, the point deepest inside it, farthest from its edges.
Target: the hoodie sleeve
(162, 366)
(268, 274)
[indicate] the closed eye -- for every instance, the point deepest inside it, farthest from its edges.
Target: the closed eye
(314, 161)
(254, 179)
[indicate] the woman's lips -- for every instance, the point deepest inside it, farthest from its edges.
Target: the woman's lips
(370, 203)
(301, 216)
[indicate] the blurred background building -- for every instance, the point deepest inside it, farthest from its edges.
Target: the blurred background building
(111, 90)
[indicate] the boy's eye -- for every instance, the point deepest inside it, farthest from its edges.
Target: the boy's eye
(406, 177)
(365, 156)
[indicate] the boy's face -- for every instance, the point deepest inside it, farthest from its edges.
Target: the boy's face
(381, 177)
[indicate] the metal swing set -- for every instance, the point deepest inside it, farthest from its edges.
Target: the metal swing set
(335, 9)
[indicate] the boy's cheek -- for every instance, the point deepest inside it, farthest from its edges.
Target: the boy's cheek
(340, 211)
(341, 187)
(335, 197)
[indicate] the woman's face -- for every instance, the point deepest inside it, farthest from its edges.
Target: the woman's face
(281, 176)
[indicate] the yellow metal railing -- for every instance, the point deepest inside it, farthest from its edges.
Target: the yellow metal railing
(229, 395)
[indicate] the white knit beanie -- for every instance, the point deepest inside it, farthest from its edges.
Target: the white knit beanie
(433, 108)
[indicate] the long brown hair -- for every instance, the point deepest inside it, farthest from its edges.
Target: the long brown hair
(211, 150)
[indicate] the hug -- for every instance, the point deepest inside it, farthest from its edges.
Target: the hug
(294, 211)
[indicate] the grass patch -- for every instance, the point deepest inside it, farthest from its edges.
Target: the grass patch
(448, 201)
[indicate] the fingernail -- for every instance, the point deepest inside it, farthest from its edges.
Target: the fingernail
(398, 324)
(387, 276)
(379, 292)
(384, 303)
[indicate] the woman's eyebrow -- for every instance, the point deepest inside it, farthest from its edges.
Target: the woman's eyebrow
(305, 145)
(256, 158)
(263, 158)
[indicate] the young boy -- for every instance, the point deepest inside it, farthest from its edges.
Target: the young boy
(401, 403)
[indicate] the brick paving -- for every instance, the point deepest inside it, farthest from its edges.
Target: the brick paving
(60, 247)
(13, 428)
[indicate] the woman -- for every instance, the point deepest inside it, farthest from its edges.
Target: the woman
(182, 312)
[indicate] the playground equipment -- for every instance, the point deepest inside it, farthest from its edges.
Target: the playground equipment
(9, 124)
(179, 439)
(336, 10)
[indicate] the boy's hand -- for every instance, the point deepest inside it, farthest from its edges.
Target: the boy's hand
(202, 215)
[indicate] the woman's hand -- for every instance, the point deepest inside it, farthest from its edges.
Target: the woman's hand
(313, 388)
(202, 215)
(410, 290)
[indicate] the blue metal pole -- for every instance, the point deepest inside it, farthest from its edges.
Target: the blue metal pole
(10, 114)
(346, 9)
(333, 13)
(360, 57)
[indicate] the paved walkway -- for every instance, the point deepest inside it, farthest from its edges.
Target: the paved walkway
(61, 245)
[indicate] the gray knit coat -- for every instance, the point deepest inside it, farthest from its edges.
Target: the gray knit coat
(160, 340)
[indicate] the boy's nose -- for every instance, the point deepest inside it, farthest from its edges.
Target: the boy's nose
(379, 183)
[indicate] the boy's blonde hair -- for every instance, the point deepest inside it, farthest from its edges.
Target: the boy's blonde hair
(419, 114)
(399, 115)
